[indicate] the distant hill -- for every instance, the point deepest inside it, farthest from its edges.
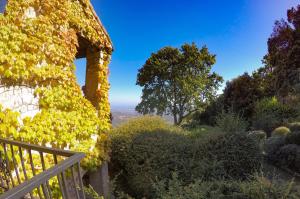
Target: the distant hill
(122, 114)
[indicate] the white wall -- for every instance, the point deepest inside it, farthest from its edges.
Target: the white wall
(21, 99)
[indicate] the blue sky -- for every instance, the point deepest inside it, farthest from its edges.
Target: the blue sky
(236, 31)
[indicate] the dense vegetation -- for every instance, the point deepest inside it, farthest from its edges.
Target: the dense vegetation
(219, 147)
(269, 97)
(153, 159)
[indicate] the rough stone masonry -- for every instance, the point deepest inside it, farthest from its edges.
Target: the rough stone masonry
(20, 99)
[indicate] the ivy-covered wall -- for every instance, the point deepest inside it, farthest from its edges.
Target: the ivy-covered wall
(38, 46)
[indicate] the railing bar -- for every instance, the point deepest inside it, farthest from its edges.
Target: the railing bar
(2, 183)
(49, 189)
(74, 180)
(24, 168)
(8, 165)
(31, 162)
(42, 160)
(45, 191)
(59, 179)
(4, 171)
(44, 168)
(2, 176)
(39, 191)
(38, 148)
(37, 180)
(65, 184)
(33, 171)
(15, 163)
(22, 163)
(80, 180)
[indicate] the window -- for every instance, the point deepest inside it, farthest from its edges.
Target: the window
(2, 5)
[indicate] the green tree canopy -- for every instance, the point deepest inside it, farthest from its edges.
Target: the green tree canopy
(177, 82)
(283, 56)
(241, 93)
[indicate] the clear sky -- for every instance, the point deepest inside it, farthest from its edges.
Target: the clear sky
(236, 31)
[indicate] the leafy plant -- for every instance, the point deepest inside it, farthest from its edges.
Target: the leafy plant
(288, 156)
(144, 148)
(295, 126)
(270, 113)
(260, 187)
(241, 93)
(281, 131)
(272, 145)
(293, 138)
(91, 193)
(144, 153)
(231, 122)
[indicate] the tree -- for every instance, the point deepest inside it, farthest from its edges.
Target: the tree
(241, 93)
(177, 82)
(284, 54)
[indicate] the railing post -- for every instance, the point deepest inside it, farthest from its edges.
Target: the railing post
(99, 180)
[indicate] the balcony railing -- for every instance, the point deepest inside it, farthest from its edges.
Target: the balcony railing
(31, 171)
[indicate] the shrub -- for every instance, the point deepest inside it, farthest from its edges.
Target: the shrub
(143, 155)
(231, 122)
(124, 135)
(143, 149)
(269, 113)
(260, 188)
(293, 138)
(226, 156)
(259, 135)
(203, 131)
(272, 145)
(285, 151)
(281, 131)
(209, 115)
(295, 126)
(288, 156)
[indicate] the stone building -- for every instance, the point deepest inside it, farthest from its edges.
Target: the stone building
(21, 98)
(39, 94)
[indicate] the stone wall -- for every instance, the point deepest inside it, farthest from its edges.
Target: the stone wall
(21, 99)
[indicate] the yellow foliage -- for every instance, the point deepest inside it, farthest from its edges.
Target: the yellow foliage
(39, 52)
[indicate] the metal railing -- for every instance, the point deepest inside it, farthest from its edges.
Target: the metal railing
(31, 171)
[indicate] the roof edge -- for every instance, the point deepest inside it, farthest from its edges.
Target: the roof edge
(90, 6)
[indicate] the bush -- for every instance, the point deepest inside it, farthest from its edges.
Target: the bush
(281, 131)
(260, 188)
(231, 122)
(288, 156)
(294, 126)
(258, 135)
(293, 138)
(143, 149)
(226, 156)
(209, 115)
(143, 155)
(269, 113)
(284, 151)
(272, 145)
(203, 131)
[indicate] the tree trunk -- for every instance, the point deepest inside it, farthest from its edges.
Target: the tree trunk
(175, 119)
